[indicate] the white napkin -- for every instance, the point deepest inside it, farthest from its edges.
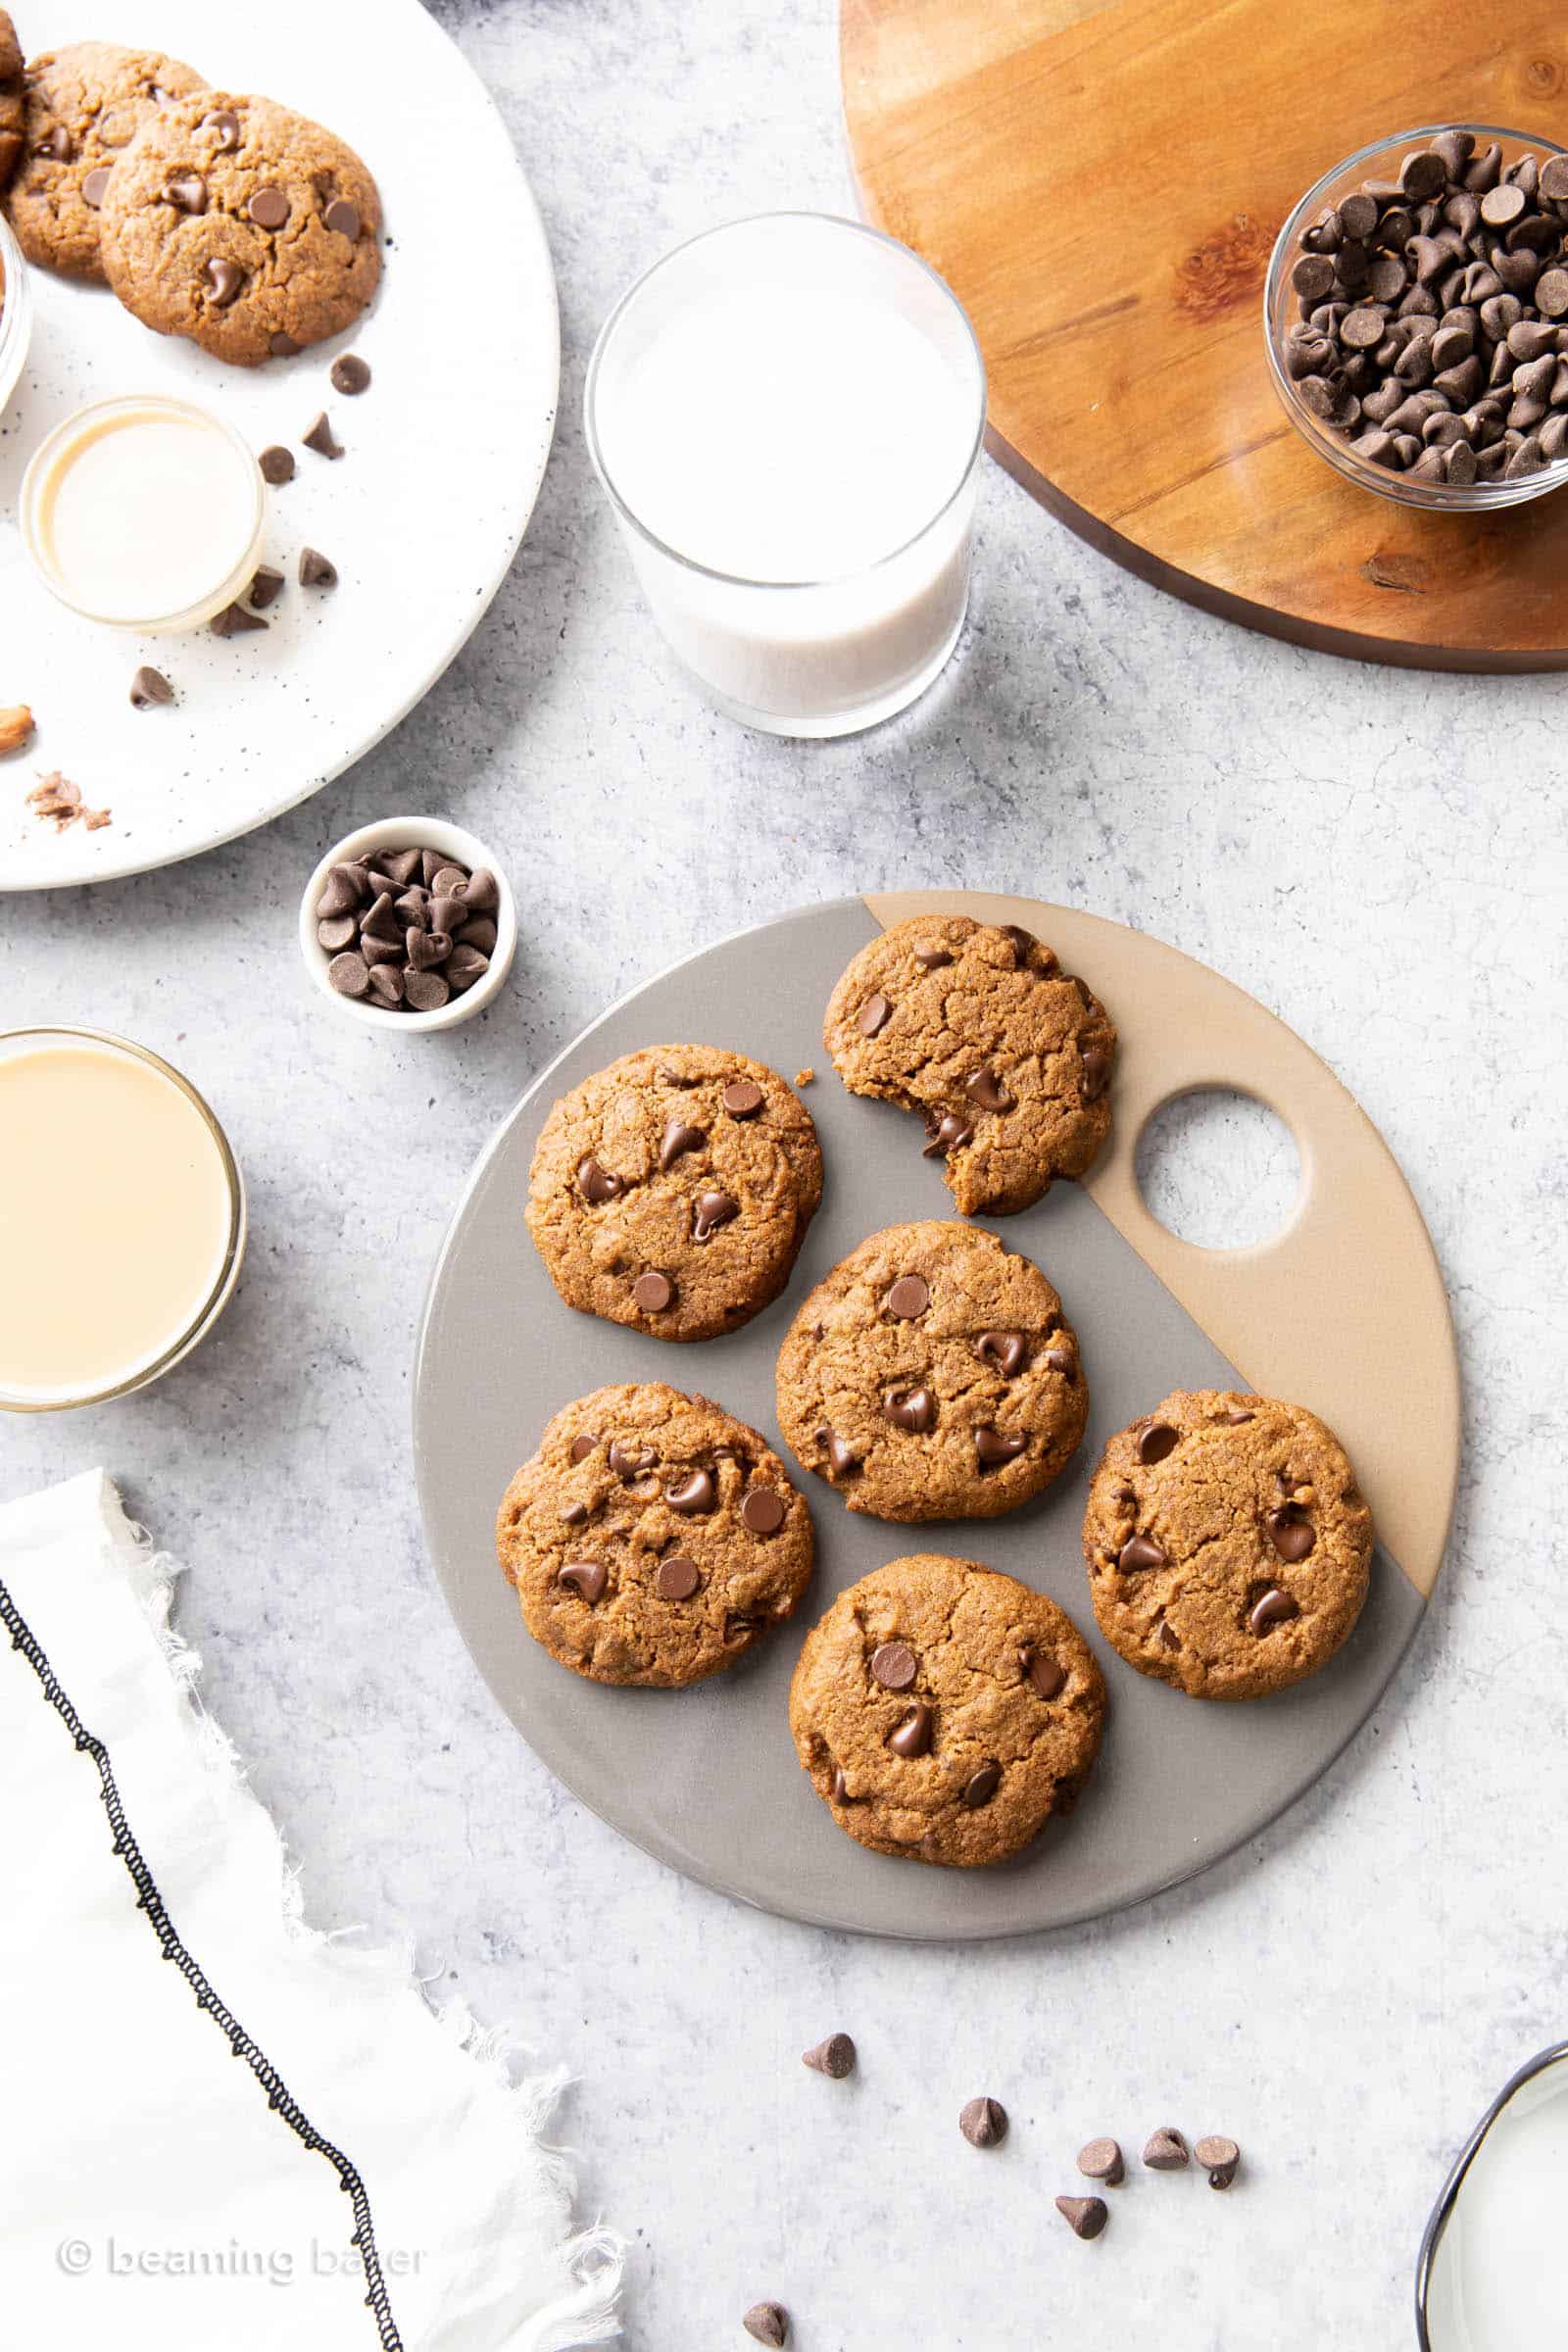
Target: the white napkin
(151, 2191)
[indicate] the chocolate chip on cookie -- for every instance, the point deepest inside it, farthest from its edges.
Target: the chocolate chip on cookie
(977, 1028)
(964, 1760)
(932, 1375)
(83, 108)
(1227, 1545)
(629, 1543)
(228, 221)
(655, 1202)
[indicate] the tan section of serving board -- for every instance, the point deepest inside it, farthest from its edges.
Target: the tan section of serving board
(1344, 1310)
(1100, 183)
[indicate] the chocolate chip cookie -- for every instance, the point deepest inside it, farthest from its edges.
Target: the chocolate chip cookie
(672, 1191)
(1228, 1548)
(84, 106)
(932, 1375)
(242, 227)
(653, 1539)
(12, 101)
(977, 1026)
(943, 1712)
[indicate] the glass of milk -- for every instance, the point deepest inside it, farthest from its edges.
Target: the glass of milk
(1494, 2273)
(787, 415)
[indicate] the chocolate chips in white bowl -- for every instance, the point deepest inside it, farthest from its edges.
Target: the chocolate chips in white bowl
(406, 929)
(1432, 316)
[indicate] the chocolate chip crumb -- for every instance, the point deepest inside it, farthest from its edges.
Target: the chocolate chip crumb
(278, 466)
(149, 686)
(351, 375)
(984, 2122)
(320, 438)
(768, 2323)
(265, 587)
(1102, 2160)
(316, 570)
(1084, 2216)
(234, 621)
(1219, 2157)
(834, 2057)
(1167, 2152)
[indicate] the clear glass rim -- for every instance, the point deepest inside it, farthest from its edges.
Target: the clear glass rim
(233, 1248)
(733, 580)
(1435, 497)
(16, 317)
(188, 616)
(1448, 2196)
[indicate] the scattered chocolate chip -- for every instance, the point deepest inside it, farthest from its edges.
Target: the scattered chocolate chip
(1156, 1442)
(1138, 1553)
(1291, 1536)
(95, 187)
(982, 1786)
(266, 586)
(993, 1446)
(913, 1409)
(587, 1577)
(268, 208)
(1102, 2160)
(316, 571)
(676, 1577)
(913, 1738)
(221, 129)
(1005, 1351)
(874, 1015)
(234, 621)
(1166, 2150)
(278, 466)
(225, 282)
(597, 1184)
(948, 1134)
(149, 686)
(1274, 1608)
(985, 1089)
(186, 191)
(834, 2057)
(283, 346)
(320, 438)
(349, 975)
(983, 2123)
(696, 1492)
(741, 1098)
(768, 2323)
(1219, 2157)
(1047, 1676)
(839, 1459)
(932, 955)
(1084, 2216)
(908, 1297)
(678, 1140)
(343, 218)
(894, 1665)
(764, 1510)
(350, 374)
(630, 1461)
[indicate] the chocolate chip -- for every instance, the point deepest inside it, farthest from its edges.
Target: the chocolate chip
(1291, 1536)
(874, 1014)
(186, 192)
(1005, 1351)
(651, 1293)
(574, 1514)
(1274, 1608)
(769, 2323)
(336, 932)
(149, 686)
(676, 1577)
(1235, 1417)
(233, 621)
(278, 466)
(696, 1490)
(283, 346)
(985, 1089)
(1551, 293)
(678, 1139)
(841, 1787)
(350, 374)
(480, 931)
(834, 2057)
(480, 892)
(1020, 939)
(762, 1511)
(630, 1461)
(95, 187)
(314, 569)
(1045, 1676)
(1102, 2160)
(741, 1098)
(982, 1787)
(1060, 1360)
(1084, 2216)
(268, 208)
(1157, 1440)
(913, 1409)
(427, 992)
(587, 1577)
(597, 1184)
(388, 984)
(582, 1448)
(266, 586)
(1168, 1639)
(320, 438)
(344, 890)
(711, 1211)
(1138, 1553)
(54, 146)
(983, 2123)
(464, 967)
(221, 130)
(908, 1297)
(993, 1446)
(932, 955)
(1219, 2157)
(948, 1134)
(343, 218)
(225, 282)
(912, 1737)
(1167, 2152)
(349, 975)
(894, 1665)
(839, 1459)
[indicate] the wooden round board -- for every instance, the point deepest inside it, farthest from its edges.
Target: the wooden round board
(1344, 1310)
(1100, 183)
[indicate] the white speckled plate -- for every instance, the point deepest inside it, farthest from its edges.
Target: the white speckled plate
(422, 515)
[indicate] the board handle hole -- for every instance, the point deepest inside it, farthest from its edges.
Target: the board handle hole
(1218, 1168)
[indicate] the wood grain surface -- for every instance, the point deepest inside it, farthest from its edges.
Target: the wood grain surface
(1100, 183)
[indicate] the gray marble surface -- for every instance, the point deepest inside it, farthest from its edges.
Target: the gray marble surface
(1381, 858)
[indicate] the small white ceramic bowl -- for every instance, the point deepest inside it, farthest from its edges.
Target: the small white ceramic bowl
(410, 833)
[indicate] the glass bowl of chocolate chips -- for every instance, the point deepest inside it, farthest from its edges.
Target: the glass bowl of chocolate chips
(1416, 316)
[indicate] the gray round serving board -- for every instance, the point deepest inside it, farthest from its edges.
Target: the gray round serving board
(1344, 1311)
